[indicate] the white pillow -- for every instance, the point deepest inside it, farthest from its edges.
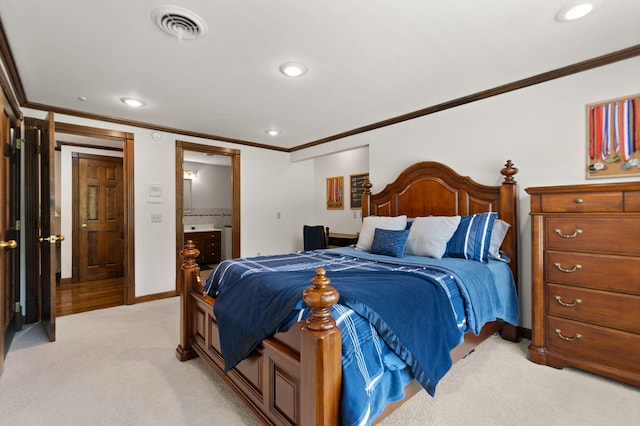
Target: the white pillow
(429, 235)
(370, 223)
(499, 231)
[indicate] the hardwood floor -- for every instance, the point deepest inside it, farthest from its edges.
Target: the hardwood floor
(72, 298)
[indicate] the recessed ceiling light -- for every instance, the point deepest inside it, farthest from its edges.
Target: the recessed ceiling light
(293, 69)
(577, 9)
(132, 102)
(272, 132)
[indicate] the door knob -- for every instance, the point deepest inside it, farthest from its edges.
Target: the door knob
(84, 225)
(11, 244)
(52, 239)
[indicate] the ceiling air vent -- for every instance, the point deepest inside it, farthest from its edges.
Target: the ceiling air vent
(179, 22)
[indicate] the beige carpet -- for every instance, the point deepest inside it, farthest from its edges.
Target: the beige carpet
(117, 366)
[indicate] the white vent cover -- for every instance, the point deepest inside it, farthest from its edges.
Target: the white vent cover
(179, 22)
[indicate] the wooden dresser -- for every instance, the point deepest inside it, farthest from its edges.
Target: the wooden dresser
(210, 245)
(586, 278)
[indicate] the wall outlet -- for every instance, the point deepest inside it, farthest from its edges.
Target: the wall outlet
(278, 215)
(156, 218)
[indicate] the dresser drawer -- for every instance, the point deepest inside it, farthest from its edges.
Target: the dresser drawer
(609, 202)
(598, 271)
(605, 235)
(614, 348)
(616, 310)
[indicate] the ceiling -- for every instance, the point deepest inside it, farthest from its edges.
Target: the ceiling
(368, 60)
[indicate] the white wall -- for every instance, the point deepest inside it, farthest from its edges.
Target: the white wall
(541, 128)
(355, 161)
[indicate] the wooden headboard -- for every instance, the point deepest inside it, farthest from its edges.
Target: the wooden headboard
(431, 188)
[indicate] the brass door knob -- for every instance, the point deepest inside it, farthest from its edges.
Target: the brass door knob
(84, 225)
(11, 244)
(52, 239)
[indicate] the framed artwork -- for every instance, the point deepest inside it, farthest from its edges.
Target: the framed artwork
(357, 189)
(613, 138)
(335, 193)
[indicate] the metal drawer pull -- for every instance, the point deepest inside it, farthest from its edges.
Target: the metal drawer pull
(579, 201)
(575, 302)
(568, 339)
(575, 268)
(575, 233)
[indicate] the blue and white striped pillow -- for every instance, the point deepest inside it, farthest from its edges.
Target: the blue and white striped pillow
(473, 237)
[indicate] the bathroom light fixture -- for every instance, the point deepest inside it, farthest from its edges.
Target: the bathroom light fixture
(577, 9)
(133, 102)
(190, 174)
(293, 69)
(272, 132)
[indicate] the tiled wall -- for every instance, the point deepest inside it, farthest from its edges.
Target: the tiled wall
(199, 216)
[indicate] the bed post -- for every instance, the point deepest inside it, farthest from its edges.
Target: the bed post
(366, 206)
(190, 279)
(509, 213)
(320, 355)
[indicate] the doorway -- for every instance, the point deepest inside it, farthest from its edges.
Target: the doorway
(70, 138)
(232, 156)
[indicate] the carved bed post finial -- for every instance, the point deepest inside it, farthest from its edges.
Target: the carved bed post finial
(366, 206)
(190, 253)
(367, 185)
(508, 172)
(320, 297)
(190, 279)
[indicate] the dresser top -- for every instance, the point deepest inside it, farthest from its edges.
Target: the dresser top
(595, 187)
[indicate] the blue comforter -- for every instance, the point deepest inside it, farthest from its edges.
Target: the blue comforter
(383, 346)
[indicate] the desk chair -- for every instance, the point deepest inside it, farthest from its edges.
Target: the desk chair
(314, 237)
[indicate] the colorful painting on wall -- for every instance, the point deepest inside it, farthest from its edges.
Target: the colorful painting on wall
(335, 193)
(613, 138)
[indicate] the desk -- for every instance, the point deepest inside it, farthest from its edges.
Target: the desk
(336, 239)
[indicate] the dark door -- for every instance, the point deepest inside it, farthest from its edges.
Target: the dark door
(98, 217)
(50, 238)
(10, 315)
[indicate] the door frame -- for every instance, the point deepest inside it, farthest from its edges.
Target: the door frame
(128, 195)
(181, 147)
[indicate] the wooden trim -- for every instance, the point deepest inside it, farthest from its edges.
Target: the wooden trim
(182, 146)
(129, 216)
(13, 89)
(60, 144)
(610, 58)
(155, 296)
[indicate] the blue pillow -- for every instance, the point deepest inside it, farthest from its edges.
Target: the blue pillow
(473, 237)
(389, 242)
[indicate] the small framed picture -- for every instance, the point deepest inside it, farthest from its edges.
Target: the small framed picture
(154, 194)
(335, 193)
(357, 189)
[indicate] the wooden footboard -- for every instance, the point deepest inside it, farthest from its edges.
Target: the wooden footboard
(291, 378)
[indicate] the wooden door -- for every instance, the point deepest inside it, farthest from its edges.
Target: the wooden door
(98, 218)
(50, 238)
(8, 236)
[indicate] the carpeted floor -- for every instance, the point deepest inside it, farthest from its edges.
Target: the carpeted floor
(117, 366)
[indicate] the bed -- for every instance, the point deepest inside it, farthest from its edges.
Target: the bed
(295, 376)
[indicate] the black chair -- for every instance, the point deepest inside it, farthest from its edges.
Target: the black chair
(314, 237)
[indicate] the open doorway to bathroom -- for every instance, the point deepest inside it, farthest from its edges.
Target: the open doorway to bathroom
(207, 203)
